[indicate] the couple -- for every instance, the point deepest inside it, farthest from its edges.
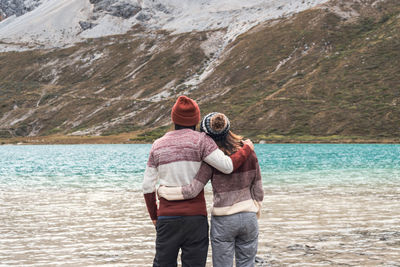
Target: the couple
(183, 161)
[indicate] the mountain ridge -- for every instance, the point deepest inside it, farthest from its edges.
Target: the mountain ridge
(60, 23)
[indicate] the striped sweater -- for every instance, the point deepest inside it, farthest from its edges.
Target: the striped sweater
(240, 191)
(174, 160)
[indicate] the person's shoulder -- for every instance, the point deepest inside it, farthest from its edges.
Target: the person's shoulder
(203, 140)
(193, 133)
(188, 135)
(195, 136)
(159, 141)
(253, 157)
(249, 164)
(207, 141)
(178, 136)
(204, 137)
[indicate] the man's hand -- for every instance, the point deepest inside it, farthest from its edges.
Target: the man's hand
(249, 143)
(154, 222)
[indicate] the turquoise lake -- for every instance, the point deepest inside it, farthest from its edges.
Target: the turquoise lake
(122, 166)
(82, 205)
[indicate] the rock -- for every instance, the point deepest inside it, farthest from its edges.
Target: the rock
(295, 247)
(22, 130)
(143, 17)
(124, 10)
(17, 7)
(162, 8)
(116, 8)
(260, 262)
(306, 248)
(262, 142)
(86, 25)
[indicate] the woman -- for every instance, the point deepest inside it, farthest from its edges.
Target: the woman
(237, 198)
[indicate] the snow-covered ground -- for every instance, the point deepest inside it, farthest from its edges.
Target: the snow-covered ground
(56, 23)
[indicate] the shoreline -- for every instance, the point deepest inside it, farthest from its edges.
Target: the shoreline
(132, 138)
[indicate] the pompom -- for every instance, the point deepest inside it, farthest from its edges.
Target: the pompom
(218, 122)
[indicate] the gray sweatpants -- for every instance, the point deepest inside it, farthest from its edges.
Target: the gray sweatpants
(237, 235)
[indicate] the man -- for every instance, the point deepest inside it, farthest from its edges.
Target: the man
(175, 160)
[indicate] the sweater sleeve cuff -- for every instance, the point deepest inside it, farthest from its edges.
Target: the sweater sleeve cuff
(151, 204)
(170, 193)
(240, 156)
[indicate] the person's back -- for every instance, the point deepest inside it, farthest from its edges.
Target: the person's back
(240, 191)
(237, 201)
(237, 198)
(174, 160)
(177, 156)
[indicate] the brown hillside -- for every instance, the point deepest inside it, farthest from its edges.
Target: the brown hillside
(331, 72)
(314, 74)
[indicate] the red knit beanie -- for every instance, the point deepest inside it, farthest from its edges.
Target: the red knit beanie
(185, 112)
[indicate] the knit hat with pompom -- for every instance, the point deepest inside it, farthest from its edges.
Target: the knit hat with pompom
(216, 125)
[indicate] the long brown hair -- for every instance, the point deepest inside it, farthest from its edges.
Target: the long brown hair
(230, 144)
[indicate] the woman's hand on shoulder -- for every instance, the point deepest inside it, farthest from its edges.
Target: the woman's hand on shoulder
(249, 143)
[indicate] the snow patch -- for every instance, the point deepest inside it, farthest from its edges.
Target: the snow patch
(137, 94)
(169, 85)
(284, 61)
(13, 48)
(97, 129)
(160, 96)
(92, 58)
(109, 25)
(22, 118)
(100, 91)
(55, 23)
(213, 43)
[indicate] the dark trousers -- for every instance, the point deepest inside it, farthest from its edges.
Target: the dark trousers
(188, 233)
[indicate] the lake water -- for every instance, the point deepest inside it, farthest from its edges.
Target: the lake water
(81, 205)
(122, 166)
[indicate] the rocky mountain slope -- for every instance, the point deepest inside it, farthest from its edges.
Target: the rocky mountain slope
(9, 8)
(330, 71)
(60, 23)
